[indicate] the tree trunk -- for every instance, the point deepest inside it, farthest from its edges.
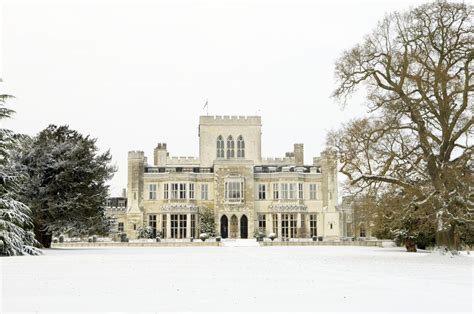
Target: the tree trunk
(43, 237)
(410, 245)
(446, 239)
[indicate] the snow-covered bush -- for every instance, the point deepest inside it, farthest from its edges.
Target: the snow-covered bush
(145, 232)
(123, 237)
(272, 236)
(203, 236)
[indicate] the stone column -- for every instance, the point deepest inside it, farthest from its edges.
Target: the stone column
(269, 223)
(299, 225)
(168, 226)
(188, 225)
(279, 225)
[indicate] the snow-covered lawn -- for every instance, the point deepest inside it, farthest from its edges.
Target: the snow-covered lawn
(305, 278)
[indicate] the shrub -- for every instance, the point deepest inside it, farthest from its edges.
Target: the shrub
(203, 236)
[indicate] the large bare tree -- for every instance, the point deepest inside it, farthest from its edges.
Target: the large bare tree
(417, 69)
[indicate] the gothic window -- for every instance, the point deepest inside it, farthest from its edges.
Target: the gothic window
(220, 147)
(230, 147)
(240, 147)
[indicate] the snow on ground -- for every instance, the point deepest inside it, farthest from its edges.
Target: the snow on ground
(306, 278)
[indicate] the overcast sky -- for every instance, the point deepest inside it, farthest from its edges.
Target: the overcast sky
(135, 73)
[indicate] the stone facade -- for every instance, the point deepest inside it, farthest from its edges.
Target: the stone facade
(247, 193)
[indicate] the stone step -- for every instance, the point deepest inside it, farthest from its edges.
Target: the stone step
(240, 242)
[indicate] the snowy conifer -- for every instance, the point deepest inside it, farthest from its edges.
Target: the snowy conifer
(67, 184)
(16, 237)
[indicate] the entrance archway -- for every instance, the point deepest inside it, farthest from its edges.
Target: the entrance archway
(244, 227)
(233, 226)
(224, 226)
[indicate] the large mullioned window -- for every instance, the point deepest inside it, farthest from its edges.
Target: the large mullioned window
(234, 191)
(204, 192)
(313, 191)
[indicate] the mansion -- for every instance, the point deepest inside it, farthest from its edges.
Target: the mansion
(247, 193)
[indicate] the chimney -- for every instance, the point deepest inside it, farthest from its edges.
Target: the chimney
(160, 155)
(299, 154)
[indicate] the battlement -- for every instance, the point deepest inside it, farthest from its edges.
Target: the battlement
(278, 161)
(230, 120)
(182, 160)
(161, 146)
(136, 154)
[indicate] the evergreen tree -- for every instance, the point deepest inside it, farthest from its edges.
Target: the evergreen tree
(208, 222)
(16, 237)
(67, 183)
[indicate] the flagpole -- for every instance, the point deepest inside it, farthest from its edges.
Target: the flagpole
(206, 105)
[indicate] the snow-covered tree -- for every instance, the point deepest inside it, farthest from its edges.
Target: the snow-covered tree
(207, 221)
(418, 71)
(16, 236)
(67, 183)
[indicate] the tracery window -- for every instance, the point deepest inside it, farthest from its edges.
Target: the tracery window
(220, 147)
(230, 147)
(240, 147)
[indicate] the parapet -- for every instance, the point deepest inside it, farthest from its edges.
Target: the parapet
(136, 154)
(230, 120)
(161, 146)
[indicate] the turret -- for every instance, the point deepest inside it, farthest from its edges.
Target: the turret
(298, 152)
(136, 165)
(328, 162)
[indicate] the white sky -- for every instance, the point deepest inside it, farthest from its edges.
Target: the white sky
(135, 73)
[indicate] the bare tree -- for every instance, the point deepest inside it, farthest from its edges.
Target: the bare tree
(418, 72)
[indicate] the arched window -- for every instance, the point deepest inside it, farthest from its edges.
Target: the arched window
(240, 147)
(230, 147)
(220, 147)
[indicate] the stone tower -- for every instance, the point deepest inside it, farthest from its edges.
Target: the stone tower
(249, 128)
(136, 167)
(298, 152)
(329, 183)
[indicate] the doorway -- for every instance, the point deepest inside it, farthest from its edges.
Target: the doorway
(244, 227)
(224, 227)
(233, 226)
